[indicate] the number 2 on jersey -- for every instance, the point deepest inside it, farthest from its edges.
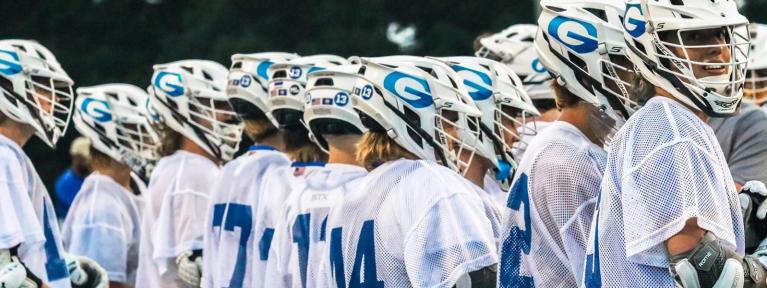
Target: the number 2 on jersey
(237, 215)
(518, 240)
(365, 254)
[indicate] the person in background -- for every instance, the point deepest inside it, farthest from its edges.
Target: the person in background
(70, 181)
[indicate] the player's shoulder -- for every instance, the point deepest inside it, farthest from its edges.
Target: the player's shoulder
(102, 198)
(420, 179)
(257, 160)
(188, 170)
(334, 175)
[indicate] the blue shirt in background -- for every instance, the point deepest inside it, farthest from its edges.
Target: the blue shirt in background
(66, 188)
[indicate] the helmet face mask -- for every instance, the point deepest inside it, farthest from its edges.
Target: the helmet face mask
(697, 52)
(117, 121)
(756, 86)
(755, 90)
(189, 96)
(35, 89)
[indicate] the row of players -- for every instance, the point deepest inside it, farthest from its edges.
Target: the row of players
(393, 171)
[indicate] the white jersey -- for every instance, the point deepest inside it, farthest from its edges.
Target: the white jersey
(27, 217)
(519, 147)
(498, 194)
(173, 220)
(277, 186)
(300, 237)
(229, 239)
(664, 167)
(104, 224)
(412, 223)
(489, 196)
(550, 209)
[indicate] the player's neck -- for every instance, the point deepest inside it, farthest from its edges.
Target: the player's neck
(16, 131)
(275, 141)
(477, 171)
(342, 149)
(119, 172)
(663, 93)
(578, 116)
(189, 146)
(548, 116)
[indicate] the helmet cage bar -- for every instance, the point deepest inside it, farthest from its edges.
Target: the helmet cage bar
(204, 117)
(201, 134)
(738, 45)
(427, 137)
(460, 152)
(521, 127)
(55, 120)
(756, 81)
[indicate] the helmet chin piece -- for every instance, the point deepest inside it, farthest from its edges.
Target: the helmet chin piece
(719, 83)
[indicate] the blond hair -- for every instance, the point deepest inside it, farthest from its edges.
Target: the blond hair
(299, 147)
(170, 140)
(377, 147)
(259, 129)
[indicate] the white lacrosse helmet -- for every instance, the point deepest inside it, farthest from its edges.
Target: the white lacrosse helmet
(581, 44)
(117, 119)
(36, 90)
(416, 101)
(248, 85)
(190, 97)
(756, 76)
(328, 108)
(514, 47)
(646, 23)
(288, 83)
(493, 87)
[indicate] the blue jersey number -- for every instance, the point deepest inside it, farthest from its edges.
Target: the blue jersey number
(365, 254)
(518, 241)
(55, 267)
(237, 215)
(592, 277)
(301, 238)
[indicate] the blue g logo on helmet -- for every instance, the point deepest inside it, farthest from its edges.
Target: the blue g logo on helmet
(573, 30)
(96, 109)
(413, 90)
(538, 66)
(150, 110)
(638, 27)
(479, 82)
(341, 98)
(262, 70)
(170, 83)
(314, 69)
(295, 72)
(9, 66)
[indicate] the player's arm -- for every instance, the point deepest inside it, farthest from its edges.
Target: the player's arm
(698, 259)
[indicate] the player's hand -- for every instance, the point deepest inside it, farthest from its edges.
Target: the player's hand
(13, 274)
(758, 191)
(86, 273)
(190, 267)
